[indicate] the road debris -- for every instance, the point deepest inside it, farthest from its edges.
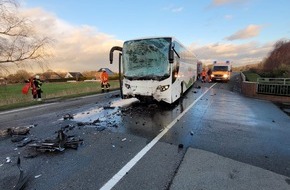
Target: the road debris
(124, 139)
(18, 131)
(8, 160)
(68, 116)
(37, 176)
(23, 177)
(124, 102)
(60, 143)
(25, 142)
(18, 138)
(14, 131)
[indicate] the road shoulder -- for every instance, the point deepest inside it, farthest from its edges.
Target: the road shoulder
(205, 170)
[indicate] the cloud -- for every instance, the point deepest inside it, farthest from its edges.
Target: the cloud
(75, 48)
(215, 3)
(85, 48)
(241, 54)
(177, 9)
(232, 3)
(228, 17)
(249, 32)
(173, 8)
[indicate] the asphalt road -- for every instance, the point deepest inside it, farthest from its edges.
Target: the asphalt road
(142, 146)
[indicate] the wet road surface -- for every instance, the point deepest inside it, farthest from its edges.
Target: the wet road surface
(221, 121)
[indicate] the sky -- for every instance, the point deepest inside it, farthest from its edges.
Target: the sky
(242, 31)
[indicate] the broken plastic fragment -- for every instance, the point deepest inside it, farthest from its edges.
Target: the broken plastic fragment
(68, 116)
(8, 159)
(124, 139)
(37, 176)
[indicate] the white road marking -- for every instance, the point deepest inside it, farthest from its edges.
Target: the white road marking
(118, 176)
(48, 104)
(27, 108)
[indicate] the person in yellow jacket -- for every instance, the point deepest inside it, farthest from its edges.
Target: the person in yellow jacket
(104, 81)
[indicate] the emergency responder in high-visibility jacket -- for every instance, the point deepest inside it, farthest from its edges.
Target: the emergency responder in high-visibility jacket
(104, 81)
(37, 85)
(203, 75)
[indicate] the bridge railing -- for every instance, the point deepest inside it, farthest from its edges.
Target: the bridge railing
(273, 86)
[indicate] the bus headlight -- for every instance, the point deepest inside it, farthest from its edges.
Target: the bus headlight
(226, 76)
(127, 86)
(162, 88)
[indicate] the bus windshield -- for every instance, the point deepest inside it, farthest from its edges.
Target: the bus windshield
(220, 68)
(146, 59)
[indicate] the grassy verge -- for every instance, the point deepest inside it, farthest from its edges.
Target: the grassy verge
(11, 96)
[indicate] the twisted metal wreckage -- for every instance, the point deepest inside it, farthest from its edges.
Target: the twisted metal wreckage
(60, 143)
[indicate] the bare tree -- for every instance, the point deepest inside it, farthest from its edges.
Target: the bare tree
(278, 61)
(19, 42)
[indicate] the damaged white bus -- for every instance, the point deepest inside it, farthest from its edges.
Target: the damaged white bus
(158, 68)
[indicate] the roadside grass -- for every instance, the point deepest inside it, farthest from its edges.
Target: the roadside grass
(250, 76)
(11, 96)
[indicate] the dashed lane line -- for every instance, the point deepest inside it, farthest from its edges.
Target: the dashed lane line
(23, 109)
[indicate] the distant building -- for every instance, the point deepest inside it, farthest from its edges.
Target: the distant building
(74, 75)
(50, 75)
(55, 76)
(107, 70)
(110, 73)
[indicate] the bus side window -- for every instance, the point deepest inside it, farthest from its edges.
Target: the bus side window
(175, 71)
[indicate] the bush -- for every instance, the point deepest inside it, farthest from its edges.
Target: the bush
(114, 77)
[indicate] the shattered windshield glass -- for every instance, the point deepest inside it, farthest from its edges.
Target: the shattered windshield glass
(146, 59)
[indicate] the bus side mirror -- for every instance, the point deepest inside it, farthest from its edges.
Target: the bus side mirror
(171, 56)
(112, 51)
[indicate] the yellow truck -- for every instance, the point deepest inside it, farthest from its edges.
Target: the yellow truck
(221, 71)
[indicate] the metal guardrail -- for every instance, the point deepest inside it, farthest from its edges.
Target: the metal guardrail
(274, 86)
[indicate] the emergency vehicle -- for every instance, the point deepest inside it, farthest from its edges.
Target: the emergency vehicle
(221, 71)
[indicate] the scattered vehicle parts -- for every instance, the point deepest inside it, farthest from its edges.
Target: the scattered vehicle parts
(14, 131)
(68, 116)
(37, 176)
(60, 143)
(8, 159)
(23, 178)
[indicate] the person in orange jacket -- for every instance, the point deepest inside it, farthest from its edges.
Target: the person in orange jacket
(209, 72)
(203, 75)
(104, 81)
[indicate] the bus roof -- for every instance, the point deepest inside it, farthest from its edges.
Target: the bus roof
(151, 37)
(154, 37)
